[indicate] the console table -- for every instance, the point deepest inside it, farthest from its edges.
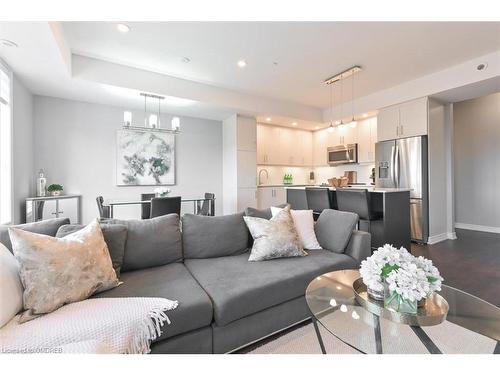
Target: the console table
(50, 207)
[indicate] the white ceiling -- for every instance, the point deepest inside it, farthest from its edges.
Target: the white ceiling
(305, 52)
(214, 87)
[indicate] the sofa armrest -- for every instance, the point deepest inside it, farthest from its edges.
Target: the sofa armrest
(359, 246)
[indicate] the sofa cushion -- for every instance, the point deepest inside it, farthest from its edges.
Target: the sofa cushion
(115, 236)
(11, 287)
(239, 288)
(48, 227)
(264, 213)
(213, 236)
(334, 229)
(172, 281)
(151, 242)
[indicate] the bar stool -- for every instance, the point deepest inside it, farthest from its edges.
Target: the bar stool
(318, 199)
(358, 201)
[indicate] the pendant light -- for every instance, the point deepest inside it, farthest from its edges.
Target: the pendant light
(353, 122)
(341, 125)
(331, 128)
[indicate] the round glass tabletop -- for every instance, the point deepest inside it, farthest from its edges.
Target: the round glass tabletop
(472, 324)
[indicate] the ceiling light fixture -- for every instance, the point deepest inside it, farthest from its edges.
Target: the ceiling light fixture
(241, 63)
(365, 115)
(8, 43)
(268, 119)
(186, 60)
(123, 28)
(152, 121)
(353, 122)
(331, 129)
(294, 123)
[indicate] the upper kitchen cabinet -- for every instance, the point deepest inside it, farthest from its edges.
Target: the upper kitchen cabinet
(320, 144)
(404, 120)
(342, 135)
(283, 146)
(367, 137)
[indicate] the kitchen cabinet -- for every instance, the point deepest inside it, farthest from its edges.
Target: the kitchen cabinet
(283, 146)
(270, 196)
(320, 144)
(404, 120)
(342, 135)
(247, 197)
(367, 137)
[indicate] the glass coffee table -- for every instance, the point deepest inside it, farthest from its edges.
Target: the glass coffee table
(472, 325)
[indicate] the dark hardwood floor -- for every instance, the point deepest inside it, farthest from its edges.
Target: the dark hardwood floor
(470, 263)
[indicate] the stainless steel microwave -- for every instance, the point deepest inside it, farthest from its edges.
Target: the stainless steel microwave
(342, 154)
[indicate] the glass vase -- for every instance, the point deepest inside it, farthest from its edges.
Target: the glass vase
(395, 302)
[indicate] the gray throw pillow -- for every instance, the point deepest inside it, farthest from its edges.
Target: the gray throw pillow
(334, 229)
(151, 242)
(48, 227)
(274, 238)
(115, 236)
(264, 213)
(213, 236)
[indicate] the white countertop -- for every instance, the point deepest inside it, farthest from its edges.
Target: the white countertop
(370, 188)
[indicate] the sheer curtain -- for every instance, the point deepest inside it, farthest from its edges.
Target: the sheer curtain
(5, 145)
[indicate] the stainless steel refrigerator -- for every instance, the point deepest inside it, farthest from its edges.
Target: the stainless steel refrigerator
(402, 163)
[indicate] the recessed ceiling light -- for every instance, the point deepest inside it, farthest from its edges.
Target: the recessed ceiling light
(8, 43)
(365, 115)
(185, 60)
(316, 127)
(268, 119)
(241, 63)
(123, 28)
(337, 122)
(294, 123)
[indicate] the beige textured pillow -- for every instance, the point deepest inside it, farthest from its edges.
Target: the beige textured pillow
(275, 238)
(57, 271)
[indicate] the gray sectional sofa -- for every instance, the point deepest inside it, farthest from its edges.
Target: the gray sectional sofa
(225, 301)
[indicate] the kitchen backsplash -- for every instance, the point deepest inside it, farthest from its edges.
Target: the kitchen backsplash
(322, 174)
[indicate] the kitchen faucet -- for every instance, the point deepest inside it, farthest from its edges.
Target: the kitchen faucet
(267, 175)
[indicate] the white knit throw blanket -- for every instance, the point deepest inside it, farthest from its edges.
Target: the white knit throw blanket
(114, 325)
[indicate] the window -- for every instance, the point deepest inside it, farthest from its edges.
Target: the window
(5, 145)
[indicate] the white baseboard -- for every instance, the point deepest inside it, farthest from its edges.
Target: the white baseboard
(480, 228)
(441, 237)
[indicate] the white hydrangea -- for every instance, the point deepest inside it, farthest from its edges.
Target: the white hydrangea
(409, 281)
(411, 277)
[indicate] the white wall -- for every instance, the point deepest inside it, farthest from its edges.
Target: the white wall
(477, 163)
(75, 143)
(22, 145)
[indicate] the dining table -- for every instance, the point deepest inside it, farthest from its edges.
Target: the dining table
(196, 203)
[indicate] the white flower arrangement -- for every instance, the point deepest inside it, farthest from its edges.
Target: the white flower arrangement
(408, 277)
(161, 191)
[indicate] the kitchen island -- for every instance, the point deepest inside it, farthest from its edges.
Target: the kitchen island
(391, 204)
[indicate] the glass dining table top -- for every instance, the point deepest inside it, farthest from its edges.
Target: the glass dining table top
(472, 324)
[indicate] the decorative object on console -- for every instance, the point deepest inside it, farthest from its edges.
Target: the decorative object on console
(399, 278)
(304, 225)
(274, 238)
(145, 158)
(80, 265)
(41, 184)
(55, 189)
(161, 192)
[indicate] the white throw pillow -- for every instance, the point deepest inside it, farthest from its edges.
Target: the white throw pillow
(11, 288)
(304, 225)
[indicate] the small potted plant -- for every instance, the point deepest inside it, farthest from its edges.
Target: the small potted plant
(55, 189)
(161, 192)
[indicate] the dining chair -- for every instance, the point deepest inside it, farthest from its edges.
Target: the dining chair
(165, 206)
(208, 206)
(146, 207)
(104, 211)
(318, 199)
